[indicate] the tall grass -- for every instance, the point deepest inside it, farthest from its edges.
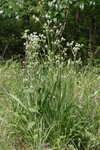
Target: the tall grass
(47, 103)
(52, 106)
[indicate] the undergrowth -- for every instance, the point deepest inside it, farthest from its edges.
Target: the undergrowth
(49, 106)
(51, 102)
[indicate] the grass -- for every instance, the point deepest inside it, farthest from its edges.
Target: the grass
(49, 107)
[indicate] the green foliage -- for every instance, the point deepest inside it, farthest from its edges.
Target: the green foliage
(77, 20)
(51, 100)
(51, 103)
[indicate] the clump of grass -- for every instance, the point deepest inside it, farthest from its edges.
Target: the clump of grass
(51, 104)
(55, 105)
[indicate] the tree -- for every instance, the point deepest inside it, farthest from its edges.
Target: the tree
(78, 20)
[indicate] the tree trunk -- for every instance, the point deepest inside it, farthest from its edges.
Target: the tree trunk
(92, 36)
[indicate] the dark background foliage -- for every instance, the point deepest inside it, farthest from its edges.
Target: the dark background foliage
(81, 19)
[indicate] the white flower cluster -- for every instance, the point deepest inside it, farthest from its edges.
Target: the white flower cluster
(92, 2)
(1, 11)
(58, 4)
(75, 47)
(34, 43)
(35, 18)
(51, 47)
